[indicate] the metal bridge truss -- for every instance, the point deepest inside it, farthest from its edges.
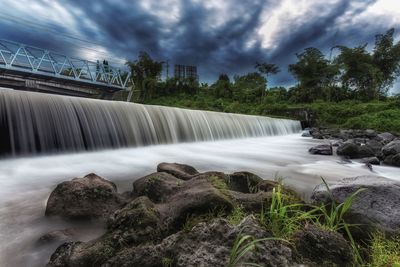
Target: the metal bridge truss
(28, 59)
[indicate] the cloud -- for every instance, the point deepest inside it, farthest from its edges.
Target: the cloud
(217, 36)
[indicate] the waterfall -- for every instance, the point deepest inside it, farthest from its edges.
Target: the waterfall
(33, 123)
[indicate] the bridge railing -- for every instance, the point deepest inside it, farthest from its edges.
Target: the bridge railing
(29, 59)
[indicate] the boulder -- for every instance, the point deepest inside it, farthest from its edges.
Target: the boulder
(156, 186)
(365, 151)
(348, 149)
(321, 150)
(374, 208)
(137, 222)
(180, 171)
(82, 198)
(376, 146)
(207, 244)
(322, 247)
(58, 236)
(391, 153)
(371, 160)
(245, 182)
(393, 160)
(306, 133)
(354, 151)
(385, 138)
(391, 148)
(204, 193)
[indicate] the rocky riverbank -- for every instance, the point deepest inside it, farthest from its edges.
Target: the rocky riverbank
(180, 217)
(368, 146)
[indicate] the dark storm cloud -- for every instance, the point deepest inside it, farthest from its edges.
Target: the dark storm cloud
(227, 41)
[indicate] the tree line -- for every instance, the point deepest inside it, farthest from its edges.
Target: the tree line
(354, 73)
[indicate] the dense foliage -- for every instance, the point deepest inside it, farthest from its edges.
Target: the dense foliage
(348, 90)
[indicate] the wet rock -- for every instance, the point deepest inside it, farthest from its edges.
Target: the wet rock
(391, 153)
(365, 151)
(348, 149)
(376, 146)
(323, 247)
(371, 160)
(306, 133)
(321, 150)
(156, 186)
(391, 148)
(180, 171)
(252, 202)
(244, 182)
(354, 151)
(385, 138)
(393, 160)
(138, 221)
(374, 208)
(207, 244)
(82, 198)
(202, 194)
(58, 236)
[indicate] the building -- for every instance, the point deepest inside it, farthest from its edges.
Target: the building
(183, 72)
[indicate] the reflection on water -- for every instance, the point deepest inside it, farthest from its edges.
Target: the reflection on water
(25, 183)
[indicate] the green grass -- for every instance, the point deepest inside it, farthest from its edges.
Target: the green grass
(384, 252)
(218, 182)
(378, 115)
(243, 245)
(237, 215)
(167, 262)
(284, 217)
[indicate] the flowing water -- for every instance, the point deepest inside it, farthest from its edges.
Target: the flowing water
(26, 182)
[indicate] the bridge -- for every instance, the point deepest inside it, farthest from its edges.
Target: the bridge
(25, 67)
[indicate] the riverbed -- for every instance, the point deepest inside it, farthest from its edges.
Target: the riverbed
(26, 182)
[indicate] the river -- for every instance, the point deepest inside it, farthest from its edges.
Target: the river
(26, 182)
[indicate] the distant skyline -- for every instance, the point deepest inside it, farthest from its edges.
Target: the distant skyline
(217, 36)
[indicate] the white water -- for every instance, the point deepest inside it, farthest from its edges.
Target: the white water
(33, 123)
(25, 183)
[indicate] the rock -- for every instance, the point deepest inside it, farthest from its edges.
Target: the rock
(306, 133)
(365, 151)
(180, 171)
(244, 182)
(252, 202)
(321, 150)
(354, 151)
(81, 198)
(207, 244)
(375, 146)
(385, 138)
(58, 236)
(323, 247)
(336, 143)
(371, 160)
(317, 135)
(391, 153)
(138, 221)
(391, 148)
(204, 193)
(348, 149)
(156, 186)
(393, 160)
(374, 208)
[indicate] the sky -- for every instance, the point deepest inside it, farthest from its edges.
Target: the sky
(217, 36)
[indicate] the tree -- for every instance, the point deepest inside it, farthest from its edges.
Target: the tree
(145, 73)
(314, 73)
(222, 87)
(266, 69)
(359, 73)
(249, 88)
(386, 57)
